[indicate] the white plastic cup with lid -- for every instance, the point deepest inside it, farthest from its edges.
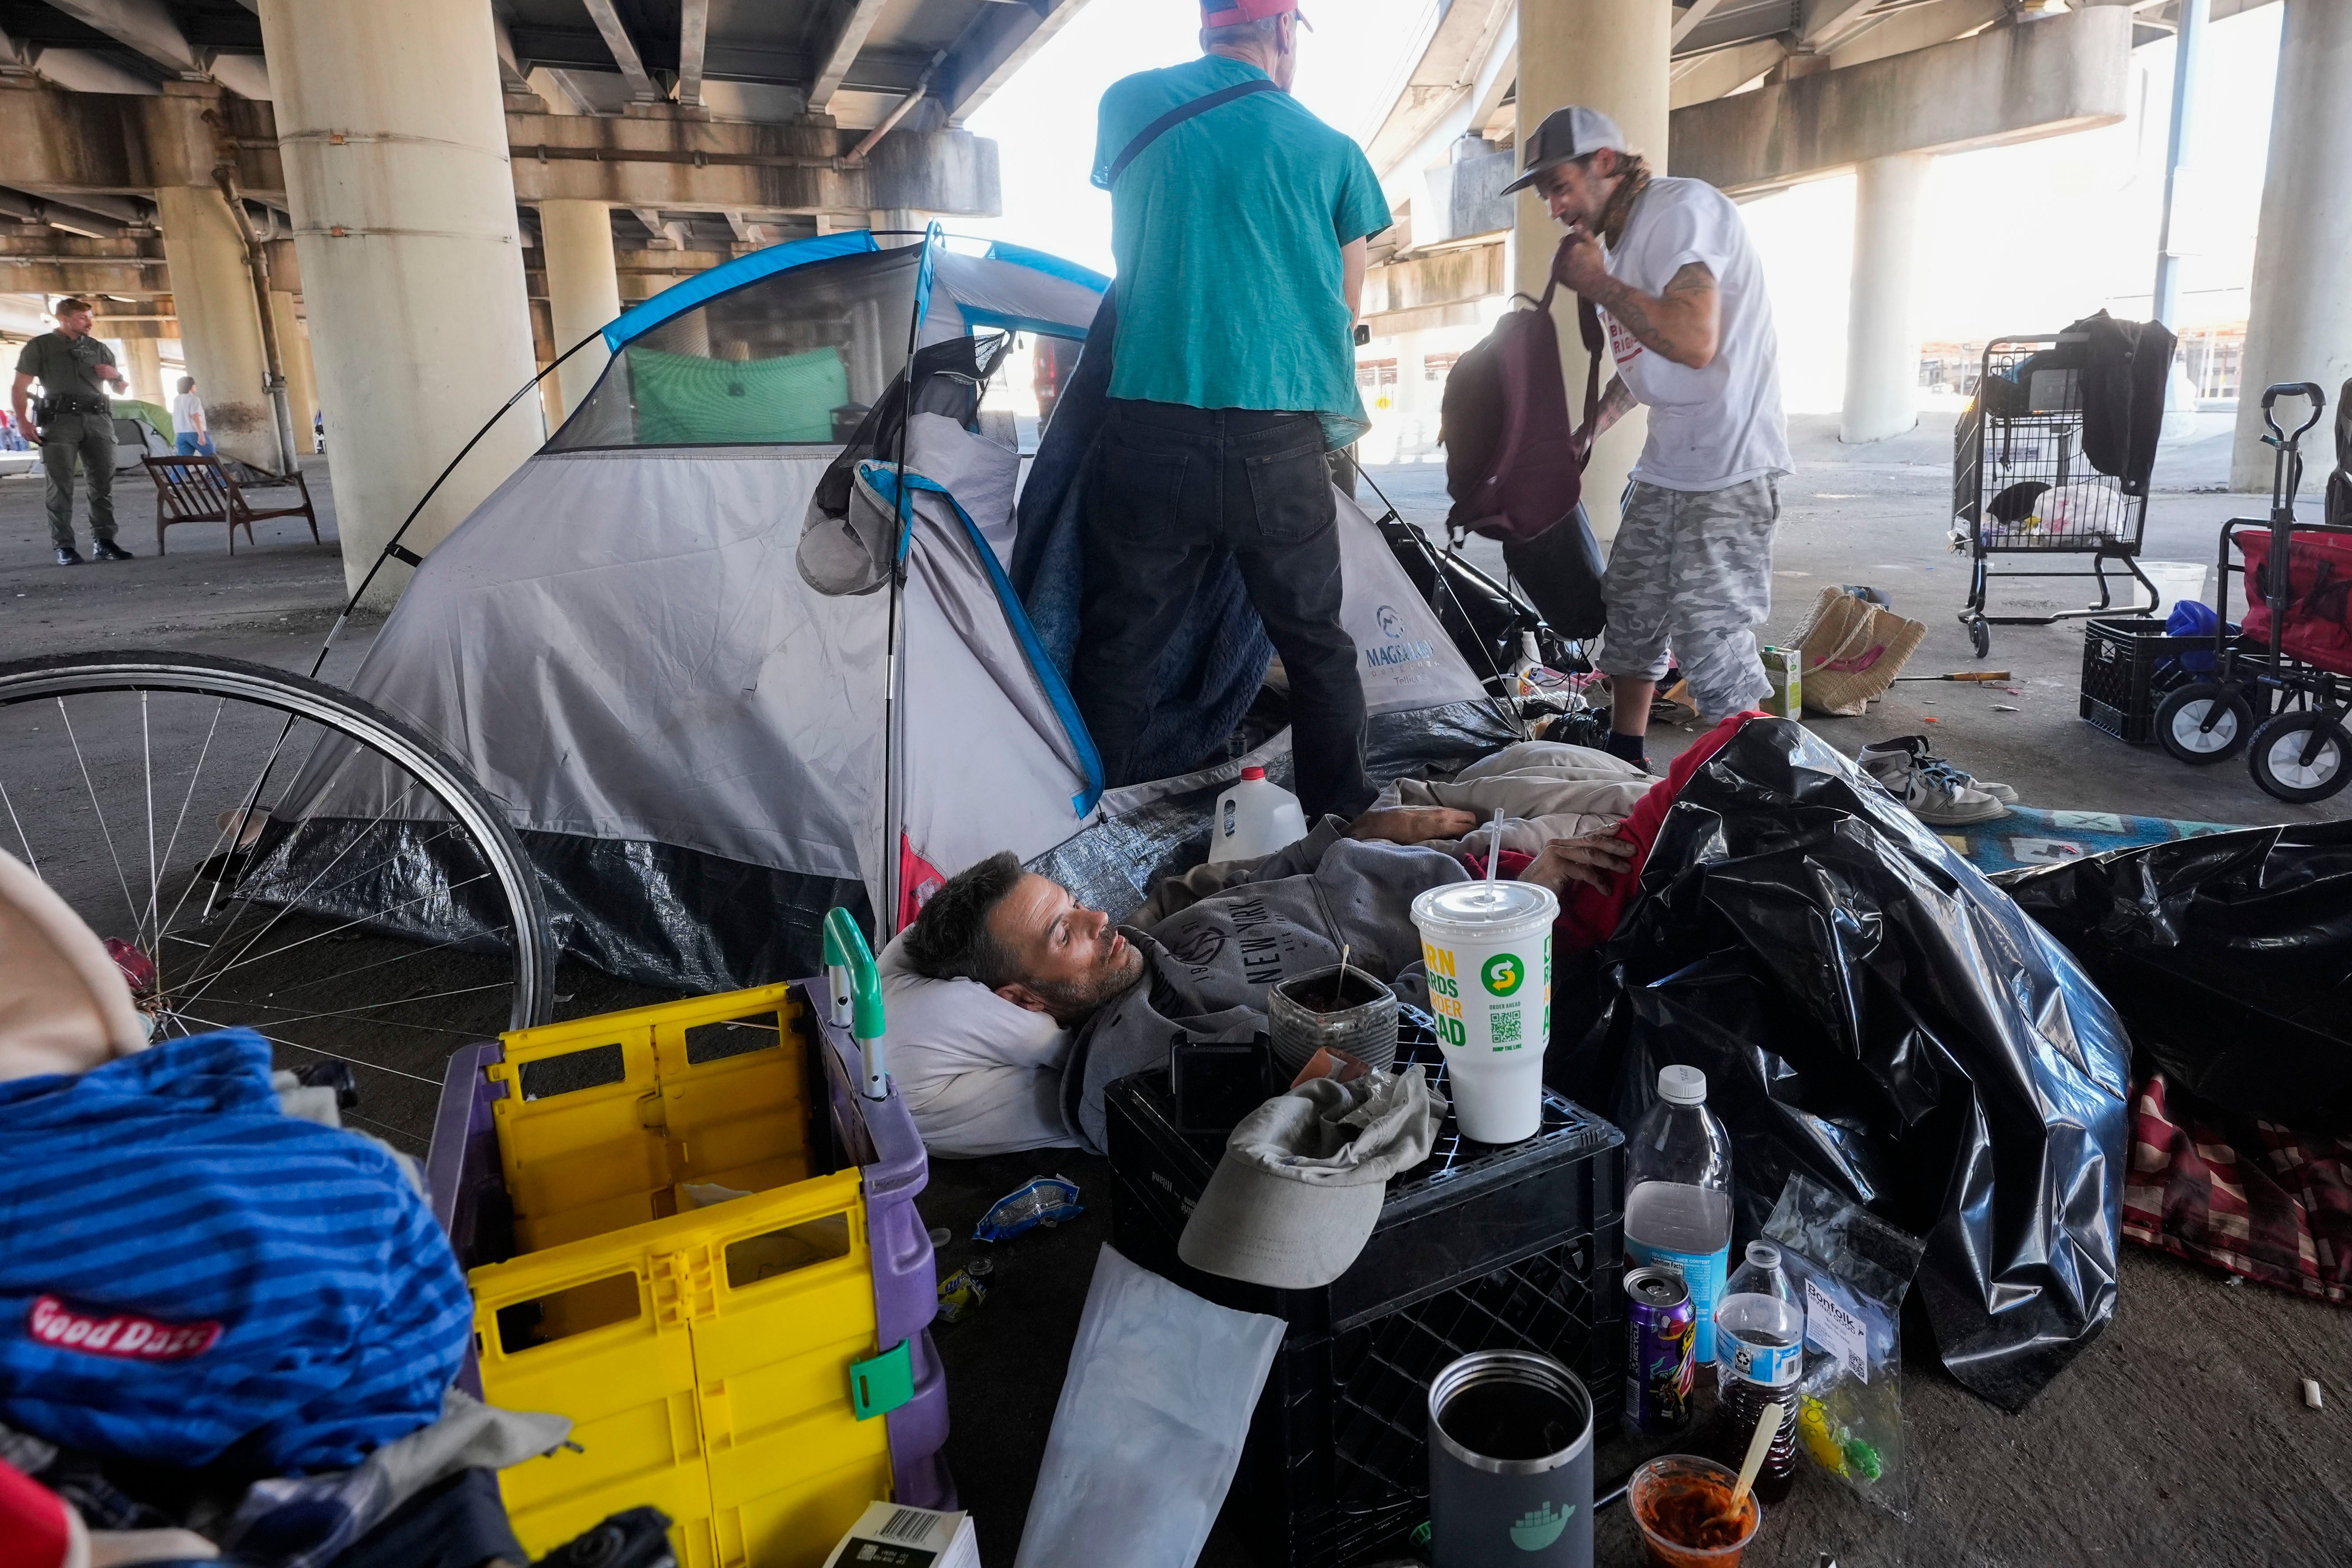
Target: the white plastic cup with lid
(1488, 949)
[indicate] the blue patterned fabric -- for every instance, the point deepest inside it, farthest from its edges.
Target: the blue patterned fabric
(188, 1274)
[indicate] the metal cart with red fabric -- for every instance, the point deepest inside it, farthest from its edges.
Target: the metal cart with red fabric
(2282, 683)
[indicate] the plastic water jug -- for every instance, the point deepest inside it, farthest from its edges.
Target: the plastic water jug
(1254, 819)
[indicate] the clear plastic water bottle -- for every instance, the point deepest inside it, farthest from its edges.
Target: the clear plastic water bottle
(1678, 1195)
(1759, 1348)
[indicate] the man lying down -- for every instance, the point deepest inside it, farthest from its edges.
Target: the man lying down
(1012, 1007)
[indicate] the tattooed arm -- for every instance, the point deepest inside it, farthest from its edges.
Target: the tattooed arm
(1615, 404)
(1683, 324)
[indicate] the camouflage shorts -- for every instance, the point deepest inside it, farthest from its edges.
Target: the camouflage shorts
(1690, 571)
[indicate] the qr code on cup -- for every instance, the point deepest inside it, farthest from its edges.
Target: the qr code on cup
(1505, 1026)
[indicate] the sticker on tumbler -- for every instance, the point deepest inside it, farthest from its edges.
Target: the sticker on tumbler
(1541, 1527)
(1502, 973)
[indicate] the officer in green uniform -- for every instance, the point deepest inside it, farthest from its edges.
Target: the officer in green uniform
(76, 420)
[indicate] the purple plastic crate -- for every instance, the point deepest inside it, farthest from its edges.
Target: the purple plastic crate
(469, 1198)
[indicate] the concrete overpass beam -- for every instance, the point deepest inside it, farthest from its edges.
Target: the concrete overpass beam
(583, 290)
(392, 127)
(1881, 343)
(2299, 327)
(1612, 55)
(2064, 73)
(220, 321)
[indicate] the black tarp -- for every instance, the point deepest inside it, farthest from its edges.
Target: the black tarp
(2229, 956)
(1872, 1012)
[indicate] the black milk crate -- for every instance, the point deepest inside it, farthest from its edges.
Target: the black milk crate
(1479, 1248)
(2121, 683)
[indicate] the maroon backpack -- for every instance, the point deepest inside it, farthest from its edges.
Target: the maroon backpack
(1511, 462)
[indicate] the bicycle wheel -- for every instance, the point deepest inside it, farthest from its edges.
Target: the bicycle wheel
(260, 850)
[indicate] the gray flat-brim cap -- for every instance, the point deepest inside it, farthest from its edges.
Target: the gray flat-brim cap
(1303, 1178)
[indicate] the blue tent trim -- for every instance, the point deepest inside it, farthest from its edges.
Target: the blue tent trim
(934, 238)
(973, 316)
(1052, 266)
(883, 478)
(680, 297)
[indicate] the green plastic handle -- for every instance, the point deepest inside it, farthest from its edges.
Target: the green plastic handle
(844, 945)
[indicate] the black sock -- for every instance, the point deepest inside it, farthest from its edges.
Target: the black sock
(1633, 748)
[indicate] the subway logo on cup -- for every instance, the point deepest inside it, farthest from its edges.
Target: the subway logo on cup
(1502, 973)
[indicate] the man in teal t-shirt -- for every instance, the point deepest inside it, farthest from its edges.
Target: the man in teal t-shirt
(1240, 235)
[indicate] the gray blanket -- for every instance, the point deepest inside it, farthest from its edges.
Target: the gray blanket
(1208, 965)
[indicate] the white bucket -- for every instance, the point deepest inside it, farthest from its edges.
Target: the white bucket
(1488, 947)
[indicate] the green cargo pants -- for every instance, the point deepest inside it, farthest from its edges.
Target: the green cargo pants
(91, 436)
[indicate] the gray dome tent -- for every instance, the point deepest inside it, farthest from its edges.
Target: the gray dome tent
(636, 643)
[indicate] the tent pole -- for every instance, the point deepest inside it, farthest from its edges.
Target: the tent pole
(886, 918)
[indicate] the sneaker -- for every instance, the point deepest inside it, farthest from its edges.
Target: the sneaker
(108, 550)
(1918, 746)
(1937, 793)
(68, 556)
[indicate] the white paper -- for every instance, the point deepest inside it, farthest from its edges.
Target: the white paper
(1836, 1331)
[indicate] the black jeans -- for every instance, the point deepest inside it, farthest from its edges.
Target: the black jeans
(1172, 487)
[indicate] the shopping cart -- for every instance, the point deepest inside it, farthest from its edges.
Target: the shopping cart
(2021, 483)
(2280, 687)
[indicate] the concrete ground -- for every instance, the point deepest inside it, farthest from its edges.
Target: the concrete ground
(2179, 1436)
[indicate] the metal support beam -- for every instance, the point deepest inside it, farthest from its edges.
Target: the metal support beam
(624, 48)
(144, 27)
(1686, 21)
(855, 20)
(999, 42)
(1826, 22)
(667, 235)
(693, 34)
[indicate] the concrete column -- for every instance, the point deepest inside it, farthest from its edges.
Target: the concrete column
(583, 290)
(220, 322)
(1882, 322)
(2299, 326)
(1610, 54)
(391, 122)
(1409, 372)
(142, 362)
(301, 380)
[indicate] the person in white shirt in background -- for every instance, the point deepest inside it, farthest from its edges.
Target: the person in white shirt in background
(188, 421)
(1682, 291)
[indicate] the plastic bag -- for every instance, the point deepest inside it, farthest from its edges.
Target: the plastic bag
(1851, 1271)
(2227, 955)
(1046, 1200)
(1149, 1429)
(1872, 1012)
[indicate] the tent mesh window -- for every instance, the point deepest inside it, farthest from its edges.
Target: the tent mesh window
(796, 358)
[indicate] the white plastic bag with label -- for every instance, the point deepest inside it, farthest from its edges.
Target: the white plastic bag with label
(1149, 1429)
(1851, 1271)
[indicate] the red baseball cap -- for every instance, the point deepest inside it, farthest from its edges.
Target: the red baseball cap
(1233, 13)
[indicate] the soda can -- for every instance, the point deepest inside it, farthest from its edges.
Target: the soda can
(1661, 1331)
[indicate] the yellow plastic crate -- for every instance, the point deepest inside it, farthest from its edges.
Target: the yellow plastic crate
(704, 1353)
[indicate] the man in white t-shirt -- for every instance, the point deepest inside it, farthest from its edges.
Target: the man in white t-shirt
(1682, 292)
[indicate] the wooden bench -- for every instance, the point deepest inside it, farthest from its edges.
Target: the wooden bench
(199, 490)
